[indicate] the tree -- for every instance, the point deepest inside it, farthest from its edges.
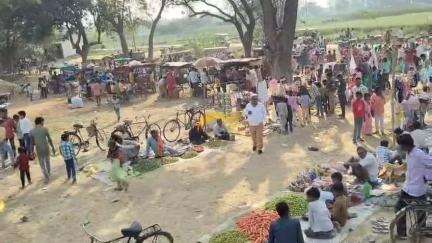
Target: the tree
(279, 24)
(69, 17)
(115, 12)
(241, 14)
(154, 7)
(99, 22)
(23, 25)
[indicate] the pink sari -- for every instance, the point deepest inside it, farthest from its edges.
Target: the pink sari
(367, 124)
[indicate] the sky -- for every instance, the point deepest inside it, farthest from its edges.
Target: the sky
(179, 12)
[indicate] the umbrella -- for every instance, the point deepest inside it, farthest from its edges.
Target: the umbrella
(206, 62)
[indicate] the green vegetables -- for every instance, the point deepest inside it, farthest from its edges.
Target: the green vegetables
(169, 160)
(216, 143)
(232, 236)
(189, 155)
(146, 165)
(297, 204)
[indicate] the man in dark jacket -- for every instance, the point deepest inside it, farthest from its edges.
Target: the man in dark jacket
(285, 229)
(341, 92)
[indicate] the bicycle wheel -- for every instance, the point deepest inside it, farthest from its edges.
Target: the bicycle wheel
(151, 127)
(101, 140)
(76, 141)
(171, 130)
(159, 237)
(198, 116)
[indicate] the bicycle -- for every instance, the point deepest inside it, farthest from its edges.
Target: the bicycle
(126, 128)
(188, 118)
(78, 141)
(153, 233)
(419, 214)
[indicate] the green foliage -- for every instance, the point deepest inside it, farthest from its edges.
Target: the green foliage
(146, 165)
(297, 204)
(232, 236)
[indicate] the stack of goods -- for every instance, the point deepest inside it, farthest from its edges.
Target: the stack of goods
(297, 203)
(393, 172)
(255, 225)
(306, 178)
(232, 236)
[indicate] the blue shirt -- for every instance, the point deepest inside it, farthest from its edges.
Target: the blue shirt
(67, 150)
(285, 230)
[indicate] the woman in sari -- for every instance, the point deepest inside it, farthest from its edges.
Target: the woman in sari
(367, 124)
(118, 154)
(171, 84)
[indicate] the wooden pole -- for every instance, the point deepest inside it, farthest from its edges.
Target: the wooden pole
(392, 103)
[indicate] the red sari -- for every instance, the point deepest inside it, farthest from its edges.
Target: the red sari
(171, 84)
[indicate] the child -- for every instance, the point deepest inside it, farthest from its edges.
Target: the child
(340, 205)
(320, 224)
(337, 177)
(116, 105)
(22, 162)
(383, 153)
(68, 153)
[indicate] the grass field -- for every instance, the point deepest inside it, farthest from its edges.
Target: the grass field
(409, 19)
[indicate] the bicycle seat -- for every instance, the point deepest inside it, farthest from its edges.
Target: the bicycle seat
(78, 126)
(133, 231)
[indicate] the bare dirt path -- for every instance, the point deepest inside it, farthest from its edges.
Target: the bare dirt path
(188, 199)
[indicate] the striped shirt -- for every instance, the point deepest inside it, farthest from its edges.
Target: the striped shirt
(67, 150)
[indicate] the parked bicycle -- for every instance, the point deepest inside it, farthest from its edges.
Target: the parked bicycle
(78, 141)
(187, 119)
(418, 215)
(136, 233)
(140, 128)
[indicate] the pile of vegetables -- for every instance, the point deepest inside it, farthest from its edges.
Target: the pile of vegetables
(216, 143)
(297, 204)
(146, 165)
(189, 155)
(169, 160)
(232, 236)
(256, 225)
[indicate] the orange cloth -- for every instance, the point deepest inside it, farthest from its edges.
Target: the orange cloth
(377, 104)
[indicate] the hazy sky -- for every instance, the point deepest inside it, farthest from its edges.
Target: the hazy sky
(178, 12)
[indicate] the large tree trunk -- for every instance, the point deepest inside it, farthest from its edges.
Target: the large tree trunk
(153, 29)
(123, 41)
(280, 36)
(99, 35)
(247, 42)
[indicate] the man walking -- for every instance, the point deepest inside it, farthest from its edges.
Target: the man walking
(341, 91)
(5, 148)
(255, 113)
(41, 139)
(358, 109)
(9, 125)
(26, 126)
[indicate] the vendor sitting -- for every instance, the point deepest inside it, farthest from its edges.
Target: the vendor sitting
(197, 135)
(364, 168)
(340, 205)
(156, 145)
(220, 131)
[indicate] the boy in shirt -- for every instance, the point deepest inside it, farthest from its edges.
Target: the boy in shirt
(340, 205)
(383, 153)
(358, 109)
(320, 224)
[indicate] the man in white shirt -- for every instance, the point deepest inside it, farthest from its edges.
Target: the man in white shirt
(422, 138)
(365, 168)
(419, 170)
(255, 114)
(26, 126)
(320, 224)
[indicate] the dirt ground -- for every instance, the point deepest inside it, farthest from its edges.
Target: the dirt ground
(189, 199)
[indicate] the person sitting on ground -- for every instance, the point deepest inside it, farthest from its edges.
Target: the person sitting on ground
(285, 229)
(156, 145)
(383, 153)
(337, 177)
(320, 224)
(220, 131)
(366, 164)
(197, 135)
(340, 205)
